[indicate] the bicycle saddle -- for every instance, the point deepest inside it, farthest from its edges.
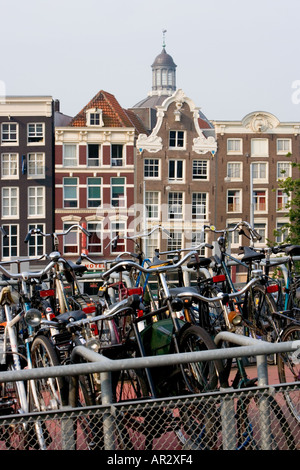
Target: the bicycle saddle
(67, 317)
(250, 254)
(293, 250)
(200, 263)
(190, 290)
(77, 268)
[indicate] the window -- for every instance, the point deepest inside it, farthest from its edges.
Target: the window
(70, 192)
(70, 155)
(35, 133)
(199, 205)
(71, 240)
(116, 155)
(36, 244)
(281, 200)
(95, 240)
(234, 201)
(93, 155)
(283, 170)
(9, 165)
(260, 200)
(234, 171)
(10, 243)
(95, 119)
(200, 169)
(234, 238)
(175, 205)
(261, 229)
(9, 133)
(196, 239)
(281, 231)
(36, 165)
(93, 192)
(234, 146)
(175, 170)
(118, 228)
(176, 139)
(151, 168)
(151, 244)
(259, 172)
(284, 146)
(174, 241)
(118, 198)
(152, 204)
(259, 148)
(10, 202)
(36, 201)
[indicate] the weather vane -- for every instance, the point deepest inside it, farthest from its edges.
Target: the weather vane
(164, 37)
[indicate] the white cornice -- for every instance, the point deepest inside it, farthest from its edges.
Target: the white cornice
(26, 106)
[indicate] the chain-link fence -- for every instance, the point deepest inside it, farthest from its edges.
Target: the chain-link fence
(254, 418)
(249, 418)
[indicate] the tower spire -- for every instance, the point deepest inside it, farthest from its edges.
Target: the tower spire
(164, 37)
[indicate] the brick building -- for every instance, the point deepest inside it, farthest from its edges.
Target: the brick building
(27, 173)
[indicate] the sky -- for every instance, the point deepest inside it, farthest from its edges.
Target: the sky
(233, 57)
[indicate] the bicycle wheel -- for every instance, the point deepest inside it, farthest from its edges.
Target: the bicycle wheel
(288, 367)
(199, 376)
(261, 320)
(51, 392)
(249, 435)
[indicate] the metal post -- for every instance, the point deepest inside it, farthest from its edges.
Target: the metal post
(228, 420)
(264, 405)
(108, 420)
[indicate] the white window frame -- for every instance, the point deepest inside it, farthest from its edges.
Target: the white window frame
(37, 132)
(65, 199)
(117, 161)
(7, 241)
(38, 158)
(260, 166)
(200, 170)
(176, 178)
(234, 204)
(12, 194)
(285, 200)
(70, 161)
(284, 141)
(11, 164)
(175, 241)
(36, 201)
(177, 140)
(239, 148)
(36, 242)
(229, 171)
(99, 234)
(93, 162)
(121, 200)
(9, 140)
(256, 204)
(151, 165)
(202, 205)
(262, 232)
(121, 230)
(153, 203)
(89, 185)
(71, 239)
(258, 152)
(280, 222)
(178, 207)
(288, 171)
(94, 117)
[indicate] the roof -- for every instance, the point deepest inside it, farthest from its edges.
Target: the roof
(113, 114)
(164, 60)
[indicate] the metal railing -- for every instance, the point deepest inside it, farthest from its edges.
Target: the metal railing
(164, 424)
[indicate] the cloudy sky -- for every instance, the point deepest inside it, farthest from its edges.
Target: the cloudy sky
(233, 56)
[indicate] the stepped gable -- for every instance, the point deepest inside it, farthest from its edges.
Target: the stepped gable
(113, 114)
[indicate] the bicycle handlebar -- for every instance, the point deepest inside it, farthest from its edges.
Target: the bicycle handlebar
(253, 233)
(55, 234)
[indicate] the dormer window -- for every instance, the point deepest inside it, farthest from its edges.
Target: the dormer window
(94, 117)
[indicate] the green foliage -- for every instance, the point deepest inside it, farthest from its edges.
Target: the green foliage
(291, 187)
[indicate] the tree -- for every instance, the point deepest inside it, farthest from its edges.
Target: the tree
(291, 187)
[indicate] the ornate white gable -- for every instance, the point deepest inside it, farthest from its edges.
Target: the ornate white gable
(153, 143)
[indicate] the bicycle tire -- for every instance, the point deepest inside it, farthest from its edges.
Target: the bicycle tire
(261, 319)
(199, 376)
(289, 371)
(248, 434)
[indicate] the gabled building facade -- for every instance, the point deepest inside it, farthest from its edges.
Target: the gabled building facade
(27, 174)
(175, 173)
(253, 155)
(94, 177)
